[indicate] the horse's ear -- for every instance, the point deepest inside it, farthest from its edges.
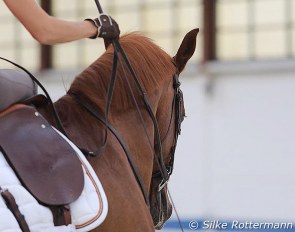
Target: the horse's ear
(186, 49)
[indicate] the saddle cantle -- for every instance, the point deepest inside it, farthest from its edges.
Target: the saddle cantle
(44, 162)
(15, 86)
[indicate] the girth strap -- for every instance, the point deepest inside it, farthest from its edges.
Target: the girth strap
(13, 207)
(61, 215)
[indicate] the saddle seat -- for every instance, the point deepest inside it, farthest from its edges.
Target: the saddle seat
(15, 86)
(41, 167)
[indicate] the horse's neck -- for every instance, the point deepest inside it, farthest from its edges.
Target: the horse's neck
(87, 132)
(140, 144)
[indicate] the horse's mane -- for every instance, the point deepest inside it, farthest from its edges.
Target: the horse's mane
(151, 64)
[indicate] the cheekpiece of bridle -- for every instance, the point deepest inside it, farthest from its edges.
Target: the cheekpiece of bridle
(177, 110)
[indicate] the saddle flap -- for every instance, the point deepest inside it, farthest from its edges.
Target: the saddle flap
(44, 162)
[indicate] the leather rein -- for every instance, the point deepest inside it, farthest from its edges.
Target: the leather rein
(164, 171)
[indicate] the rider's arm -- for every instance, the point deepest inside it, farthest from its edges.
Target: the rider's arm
(47, 29)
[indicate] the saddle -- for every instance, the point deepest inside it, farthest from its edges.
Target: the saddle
(38, 163)
(43, 161)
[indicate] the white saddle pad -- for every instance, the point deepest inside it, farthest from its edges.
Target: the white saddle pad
(87, 212)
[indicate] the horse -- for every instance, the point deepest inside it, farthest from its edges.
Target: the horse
(155, 70)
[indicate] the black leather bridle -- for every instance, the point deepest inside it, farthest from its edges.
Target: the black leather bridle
(177, 110)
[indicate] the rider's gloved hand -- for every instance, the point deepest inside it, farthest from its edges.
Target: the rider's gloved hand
(107, 27)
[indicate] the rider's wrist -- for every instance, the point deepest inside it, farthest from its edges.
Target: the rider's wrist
(95, 29)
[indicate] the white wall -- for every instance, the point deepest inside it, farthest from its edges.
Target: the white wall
(236, 154)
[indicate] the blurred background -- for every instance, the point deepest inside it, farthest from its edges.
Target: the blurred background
(236, 155)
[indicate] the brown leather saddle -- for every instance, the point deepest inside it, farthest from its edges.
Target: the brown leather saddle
(43, 161)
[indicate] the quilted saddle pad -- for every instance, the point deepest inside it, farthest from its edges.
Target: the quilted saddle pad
(87, 212)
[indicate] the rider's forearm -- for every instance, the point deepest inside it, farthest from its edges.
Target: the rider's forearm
(47, 29)
(59, 31)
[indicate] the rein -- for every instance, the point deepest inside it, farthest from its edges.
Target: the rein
(164, 171)
(102, 119)
(158, 154)
(159, 158)
(117, 51)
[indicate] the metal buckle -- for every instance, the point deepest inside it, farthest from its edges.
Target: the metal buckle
(162, 185)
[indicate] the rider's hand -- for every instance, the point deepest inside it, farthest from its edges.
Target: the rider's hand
(107, 27)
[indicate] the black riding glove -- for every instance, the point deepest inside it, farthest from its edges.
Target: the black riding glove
(107, 27)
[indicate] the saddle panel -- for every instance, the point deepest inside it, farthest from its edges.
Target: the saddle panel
(43, 161)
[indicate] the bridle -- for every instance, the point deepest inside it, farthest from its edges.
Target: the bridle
(177, 110)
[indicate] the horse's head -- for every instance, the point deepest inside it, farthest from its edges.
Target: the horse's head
(170, 114)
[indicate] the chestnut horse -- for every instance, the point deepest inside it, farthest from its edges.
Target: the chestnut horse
(155, 70)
